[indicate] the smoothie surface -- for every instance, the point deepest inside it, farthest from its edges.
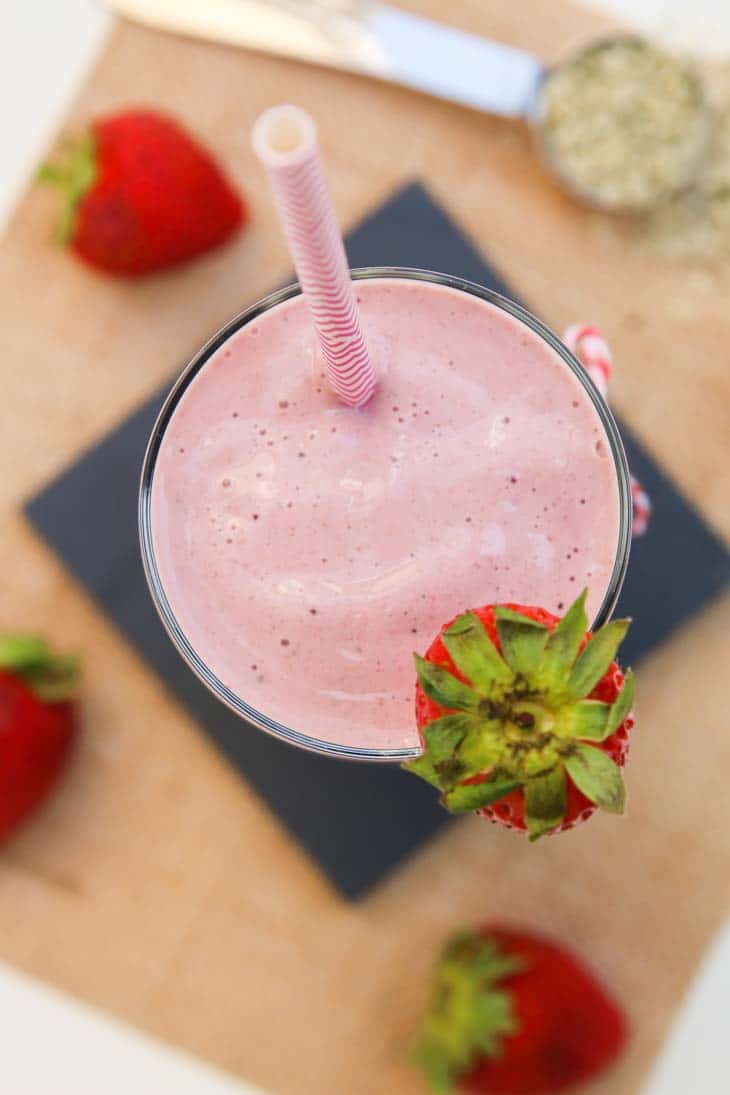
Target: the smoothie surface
(306, 549)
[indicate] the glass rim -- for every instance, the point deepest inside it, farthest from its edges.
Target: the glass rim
(175, 632)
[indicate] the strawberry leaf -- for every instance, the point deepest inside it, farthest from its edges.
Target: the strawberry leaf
(587, 719)
(522, 640)
(57, 680)
(596, 657)
(495, 1017)
(474, 654)
(622, 705)
(563, 645)
(21, 652)
(473, 796)
(74, 176)
(444, 687)
(423, 766)
(481, 749)
(545, 802)
(595, 774)
(439, 1072)
(53, 677)
(443, 738)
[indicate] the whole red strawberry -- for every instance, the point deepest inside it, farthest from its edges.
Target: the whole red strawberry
(142, 195)
(36, 723)
(525, 717)
(514, 1014)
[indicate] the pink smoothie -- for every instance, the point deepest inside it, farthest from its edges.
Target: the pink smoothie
(307, 549)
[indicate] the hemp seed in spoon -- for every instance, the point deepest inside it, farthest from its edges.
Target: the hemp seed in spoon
(624, 124)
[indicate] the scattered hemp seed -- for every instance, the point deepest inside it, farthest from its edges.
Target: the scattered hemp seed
(623, 123)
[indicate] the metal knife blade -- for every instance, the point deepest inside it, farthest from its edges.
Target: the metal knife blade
(363, 36)
(330, 32)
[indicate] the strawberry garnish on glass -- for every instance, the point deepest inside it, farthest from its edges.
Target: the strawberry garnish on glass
(37, 723)
(525, 717)
(513, 1013)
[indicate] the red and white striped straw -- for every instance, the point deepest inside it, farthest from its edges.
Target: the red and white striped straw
(285, 140)
(591, 349)
(641, 506)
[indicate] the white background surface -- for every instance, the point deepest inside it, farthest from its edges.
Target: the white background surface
(50, 1044)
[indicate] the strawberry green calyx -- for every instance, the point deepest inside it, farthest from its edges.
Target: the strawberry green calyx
(52, 677)
(74, 175)
(521, 718)
(469, 1013)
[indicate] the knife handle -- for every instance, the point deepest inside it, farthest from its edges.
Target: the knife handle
(452, 64)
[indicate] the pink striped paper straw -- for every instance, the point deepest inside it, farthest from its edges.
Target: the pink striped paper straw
(285, 140)
(591, 349)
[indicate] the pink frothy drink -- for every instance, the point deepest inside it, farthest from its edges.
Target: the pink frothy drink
(300, 550)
